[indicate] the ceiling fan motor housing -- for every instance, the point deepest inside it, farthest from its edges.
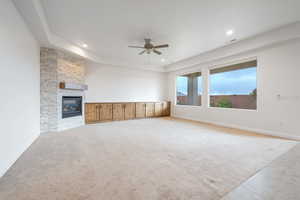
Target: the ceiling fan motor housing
(148, 46)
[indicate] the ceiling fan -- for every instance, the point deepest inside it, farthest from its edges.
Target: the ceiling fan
(149, 47)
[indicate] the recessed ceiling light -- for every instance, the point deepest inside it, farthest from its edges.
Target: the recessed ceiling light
(84, 45)
(229, 32)
(163, 60)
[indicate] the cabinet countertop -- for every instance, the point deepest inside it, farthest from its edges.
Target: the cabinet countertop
(125, 102)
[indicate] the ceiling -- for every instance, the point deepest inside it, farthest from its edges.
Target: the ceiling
(190, 27)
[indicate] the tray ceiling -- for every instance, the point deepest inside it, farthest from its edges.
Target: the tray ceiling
(191, 27)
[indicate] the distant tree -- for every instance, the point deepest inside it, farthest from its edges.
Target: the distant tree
(224, 103)
(253, 93)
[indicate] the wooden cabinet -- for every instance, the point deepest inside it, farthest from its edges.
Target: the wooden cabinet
(91, 113)
(100, 112)
(162, 109)
(129, 111)
(140, 110)
(166, 108)
(105, 112)
(150, 112)
(123, 111)
(88, 112)
(118, 111)
(158, 109)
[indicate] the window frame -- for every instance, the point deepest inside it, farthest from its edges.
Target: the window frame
(202, 89)
(229, 64)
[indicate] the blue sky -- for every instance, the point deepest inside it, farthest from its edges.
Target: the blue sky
(227, 83)
(181, 84)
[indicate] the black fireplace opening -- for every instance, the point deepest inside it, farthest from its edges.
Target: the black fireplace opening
(71, 106)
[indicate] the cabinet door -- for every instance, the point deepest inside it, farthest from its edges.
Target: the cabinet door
(97, 114)
(166, 110)
(118, 111)
(158, 109)
(140, 110)
(150, 110)
(87, 113)
(105, 112)
(91, 113)
(129, 110)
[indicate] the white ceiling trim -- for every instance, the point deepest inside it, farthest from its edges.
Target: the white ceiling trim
(279, 35)
(49, 38)
(33, 13)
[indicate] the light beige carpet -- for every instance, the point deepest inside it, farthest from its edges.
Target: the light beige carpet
(149, 159)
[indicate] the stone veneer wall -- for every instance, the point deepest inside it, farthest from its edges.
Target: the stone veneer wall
(57, 66)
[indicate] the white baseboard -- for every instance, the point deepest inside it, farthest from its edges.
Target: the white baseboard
(259, 131)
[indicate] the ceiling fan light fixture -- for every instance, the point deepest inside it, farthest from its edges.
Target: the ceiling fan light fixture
(230, 32)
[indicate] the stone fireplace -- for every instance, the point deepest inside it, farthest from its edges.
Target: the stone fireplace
(61, 108)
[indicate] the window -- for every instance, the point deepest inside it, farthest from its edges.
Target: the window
(189, 89)
(234, 86)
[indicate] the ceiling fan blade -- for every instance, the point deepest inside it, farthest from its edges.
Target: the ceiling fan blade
(142, 52)
(161, 46)
(136, 47)
(157, 52)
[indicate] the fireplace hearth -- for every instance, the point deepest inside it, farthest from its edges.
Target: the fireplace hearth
(71, 106)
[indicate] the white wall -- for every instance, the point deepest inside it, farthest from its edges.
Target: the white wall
(109, 83)
(278, 74)
(19, 86)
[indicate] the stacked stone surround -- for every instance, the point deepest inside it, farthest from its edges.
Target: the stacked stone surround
(58, 66)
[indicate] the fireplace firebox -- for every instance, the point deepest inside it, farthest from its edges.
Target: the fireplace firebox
(71, 106)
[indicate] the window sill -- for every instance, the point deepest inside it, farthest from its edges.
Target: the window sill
(188, 106)
(216, 108)
(233, 109)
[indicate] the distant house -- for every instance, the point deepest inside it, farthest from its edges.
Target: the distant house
(181, 94)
